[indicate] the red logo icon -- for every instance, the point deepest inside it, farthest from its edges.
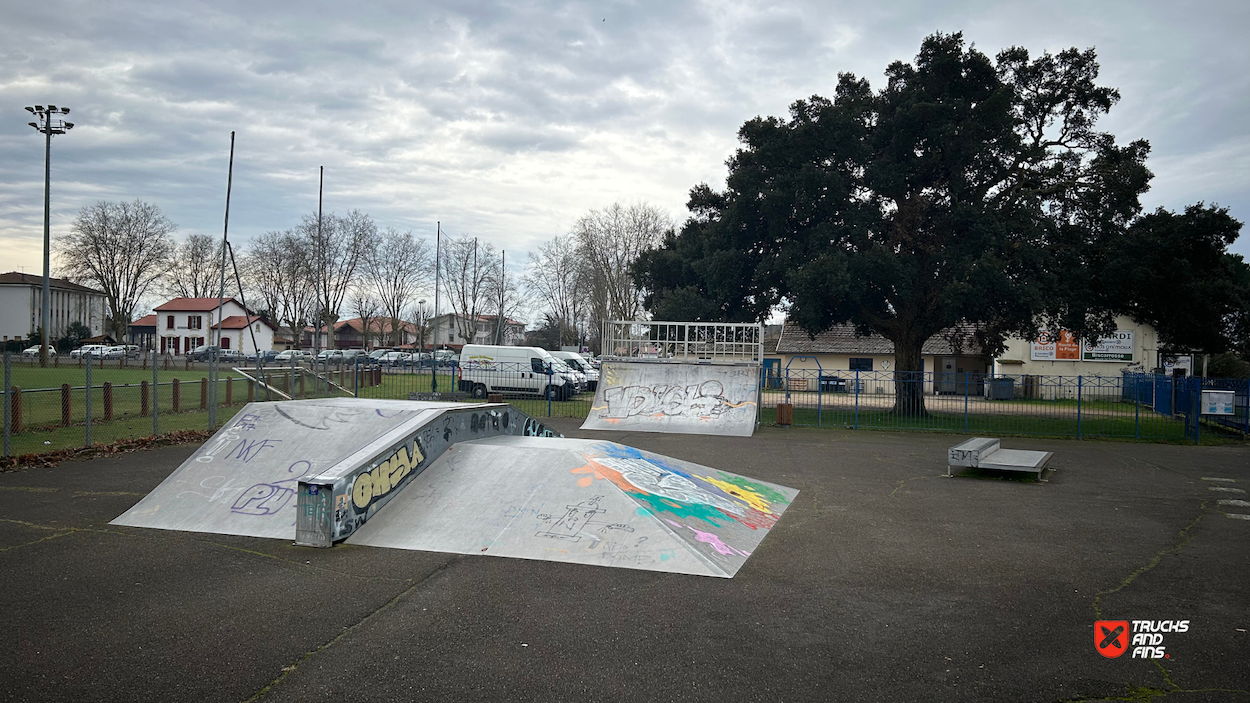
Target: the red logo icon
(1111, 637)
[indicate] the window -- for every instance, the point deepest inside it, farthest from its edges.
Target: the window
(861, 365)
(225, 342)
(537, 365)
(195, 322)
(169, 322)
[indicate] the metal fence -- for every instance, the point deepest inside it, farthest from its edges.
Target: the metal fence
(81, 402)
(683, 341)
(1139, 406)
(534, 390)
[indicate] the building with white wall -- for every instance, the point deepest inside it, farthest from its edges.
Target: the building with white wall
(183, 324)
(447, 330)
(21, 306)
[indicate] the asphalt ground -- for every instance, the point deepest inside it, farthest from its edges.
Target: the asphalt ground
(883, 581)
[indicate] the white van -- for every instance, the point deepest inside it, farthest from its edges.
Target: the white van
(486, 368)
(579, 363)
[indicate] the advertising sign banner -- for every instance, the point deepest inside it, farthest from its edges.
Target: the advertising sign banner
(1055, 346)
(1118, 347)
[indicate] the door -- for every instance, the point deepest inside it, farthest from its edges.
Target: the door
(947, 382)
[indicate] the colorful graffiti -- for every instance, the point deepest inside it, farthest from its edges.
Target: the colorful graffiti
(665, 488)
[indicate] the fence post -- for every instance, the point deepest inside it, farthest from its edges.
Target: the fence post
(251, 390)
(1137, 407)
(87, 403)
(967, 379)
(356, 377)
(177, 396)
(8, 404)
(1079, 384)
(229, 390)
(549, 379)
(204, 396)
(107, 392)
(144, 408)
(857, 399)
(15, 407)
(65, 404)
(156, 389)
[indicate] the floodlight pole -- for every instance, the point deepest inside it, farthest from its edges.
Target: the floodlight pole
(49, 127)
(438, 270)
(321, 178)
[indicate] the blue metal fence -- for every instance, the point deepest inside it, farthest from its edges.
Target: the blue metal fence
(1140, 406)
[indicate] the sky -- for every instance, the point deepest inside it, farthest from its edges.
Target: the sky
(507, 121)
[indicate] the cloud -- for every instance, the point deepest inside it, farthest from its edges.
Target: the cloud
(509, 120)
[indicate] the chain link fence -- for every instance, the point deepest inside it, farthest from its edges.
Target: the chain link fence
(80, 402)
(1131, 406)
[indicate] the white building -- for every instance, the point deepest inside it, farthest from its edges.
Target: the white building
(447, 330)
(21, 306)
(1134, 347)
(183, 324)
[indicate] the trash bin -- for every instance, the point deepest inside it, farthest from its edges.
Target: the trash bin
(1000, 388)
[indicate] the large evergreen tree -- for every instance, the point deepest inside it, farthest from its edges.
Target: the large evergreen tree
(967, 189)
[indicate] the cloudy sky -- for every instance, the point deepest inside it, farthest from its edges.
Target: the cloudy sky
(509, 120)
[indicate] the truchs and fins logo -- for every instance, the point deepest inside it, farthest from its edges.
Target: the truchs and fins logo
(1111, 637)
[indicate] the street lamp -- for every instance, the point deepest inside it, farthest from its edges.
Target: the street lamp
(48, 125)
(421, 318)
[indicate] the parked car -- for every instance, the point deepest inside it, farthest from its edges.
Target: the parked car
(486, 369)
(118, 352)
(94, 350)
(394, 358)
(204, 352)
(330, 355)
(294, 355)
(266, 356)
(232, 356)
(446, 357)
(580, 364)
(350, 355)
(33, 352)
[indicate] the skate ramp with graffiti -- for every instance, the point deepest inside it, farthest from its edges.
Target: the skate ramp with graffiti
(249, 478)
(675, 397)
(583, 502)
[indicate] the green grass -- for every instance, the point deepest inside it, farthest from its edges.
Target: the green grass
(399, 385)
(1147, 425)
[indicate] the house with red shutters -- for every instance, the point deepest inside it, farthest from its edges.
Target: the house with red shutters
(183, 324)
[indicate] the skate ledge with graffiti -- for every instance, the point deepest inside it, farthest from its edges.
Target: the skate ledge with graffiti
(680, 398)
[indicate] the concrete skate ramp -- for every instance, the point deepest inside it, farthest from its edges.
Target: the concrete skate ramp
(675, 397)
(583, 502)
(246, 479)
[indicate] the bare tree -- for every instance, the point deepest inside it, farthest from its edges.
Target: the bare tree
(507, 300)
(559, 282)
(368, 309)
(420, 315)
(279, 272)
(121, 249)
(610, 240)
(196, 270)
(468, 267)
(338, 248)
(399, 267)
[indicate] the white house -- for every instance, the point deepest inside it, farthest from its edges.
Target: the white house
(446, 330)
(236, 335)
(183, 324)
(21, 306)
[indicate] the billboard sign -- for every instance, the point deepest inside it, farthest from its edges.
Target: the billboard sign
(1055, 346)
(1118, 348)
